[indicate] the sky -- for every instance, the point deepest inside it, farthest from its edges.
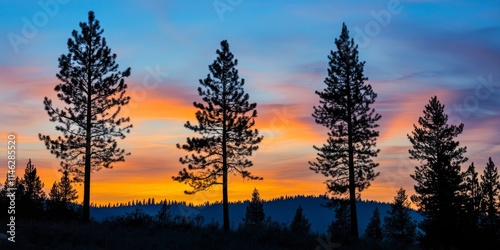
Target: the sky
(413, 51)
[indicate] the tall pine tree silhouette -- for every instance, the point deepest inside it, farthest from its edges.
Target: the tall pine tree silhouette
(438, 176)
(345, 110)
(225, 122)
(93, 90)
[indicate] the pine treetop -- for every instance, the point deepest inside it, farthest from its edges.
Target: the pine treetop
(300, 223)
(490, 186)
(33, 186)
(398, 224)
(374, 228)
(255, 210)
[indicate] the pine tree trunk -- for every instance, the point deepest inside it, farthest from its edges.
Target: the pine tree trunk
(225, 205)
(86, 189)
(224, 195)
(352, 186)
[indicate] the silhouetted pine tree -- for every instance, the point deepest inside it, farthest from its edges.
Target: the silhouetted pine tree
(62, 195)
(438, 176)
(33, 186)
(55, 193)
(490, 204)
(225, 122)
(374, 229)
(93, 90)
(32, 196)
(345, 110)
(63, 191)
(398, 225)
(300, 224)
(472, 190)
(255, 210)
(472, 195)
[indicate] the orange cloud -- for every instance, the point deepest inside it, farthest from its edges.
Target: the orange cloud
(160, 108)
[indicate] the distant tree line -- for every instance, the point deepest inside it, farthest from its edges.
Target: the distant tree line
(137, 202)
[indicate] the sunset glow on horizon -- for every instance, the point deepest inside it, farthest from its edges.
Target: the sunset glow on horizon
(413, 51)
